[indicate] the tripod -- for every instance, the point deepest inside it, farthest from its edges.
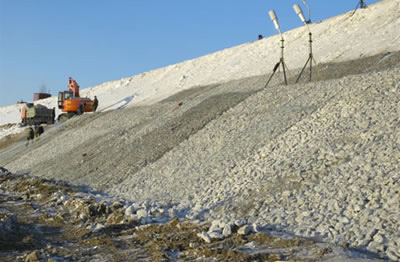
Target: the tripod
(309, 60)
(360, 4)
(281, 62)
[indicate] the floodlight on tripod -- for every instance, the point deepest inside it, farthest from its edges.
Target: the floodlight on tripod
(281, 62)
(309, 12)
(310, 59)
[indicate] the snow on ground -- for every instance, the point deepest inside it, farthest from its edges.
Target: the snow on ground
(369, 31)
(10, 130)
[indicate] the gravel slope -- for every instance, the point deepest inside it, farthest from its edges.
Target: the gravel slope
(319, 159)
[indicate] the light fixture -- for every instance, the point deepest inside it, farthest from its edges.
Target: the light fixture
(310, 59)
(299, 12)
(309, 12)
(274, 19)
(281, 62)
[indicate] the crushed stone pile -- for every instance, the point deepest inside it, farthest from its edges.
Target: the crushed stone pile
(317, 160)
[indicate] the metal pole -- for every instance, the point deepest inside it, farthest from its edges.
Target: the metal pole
(311, 55)
(282, 60)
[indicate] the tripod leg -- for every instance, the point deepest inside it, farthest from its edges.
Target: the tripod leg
(355, 9)
(310, 67)
(273, 72)
(302, 70)
(284, 71)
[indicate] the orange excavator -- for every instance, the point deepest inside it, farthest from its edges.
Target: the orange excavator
(71, 103)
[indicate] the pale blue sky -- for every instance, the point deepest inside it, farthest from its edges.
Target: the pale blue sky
(43, 42)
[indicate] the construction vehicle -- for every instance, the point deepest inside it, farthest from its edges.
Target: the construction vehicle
(34, 115)
(71, 103)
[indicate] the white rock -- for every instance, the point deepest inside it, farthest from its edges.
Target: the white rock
(129, 211)
(240, 222)
(245, 230)
(172, 212)
(378, 238)
(215, 235)
(98, 227)
(142, 213)
(392, 255)
(227, 230)
(204, 236)
(371, 233)
(256, 228)
(215, 228)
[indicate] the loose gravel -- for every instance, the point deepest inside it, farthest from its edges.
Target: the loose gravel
(317, 159)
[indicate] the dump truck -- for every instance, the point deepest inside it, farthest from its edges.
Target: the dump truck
(35, 115)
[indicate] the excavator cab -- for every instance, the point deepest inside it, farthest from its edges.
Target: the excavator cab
(64, 96)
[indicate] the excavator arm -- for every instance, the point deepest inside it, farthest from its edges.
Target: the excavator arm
(73, 86)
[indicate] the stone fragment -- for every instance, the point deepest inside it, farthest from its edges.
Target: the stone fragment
(141, 213)
(32, 257)
(245, 230)
(375, 247)
(371, 233)
(215, 235)
(204, 236)
(215, 228)
(129, 211)
(227, 230)
(256, 228)
(392, 256)
(98, 227)
(378, 238)
(240, 222)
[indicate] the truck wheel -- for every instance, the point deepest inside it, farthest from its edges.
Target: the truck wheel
(31, 134)
(38, 131)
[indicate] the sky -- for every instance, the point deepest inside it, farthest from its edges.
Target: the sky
(43, 42)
